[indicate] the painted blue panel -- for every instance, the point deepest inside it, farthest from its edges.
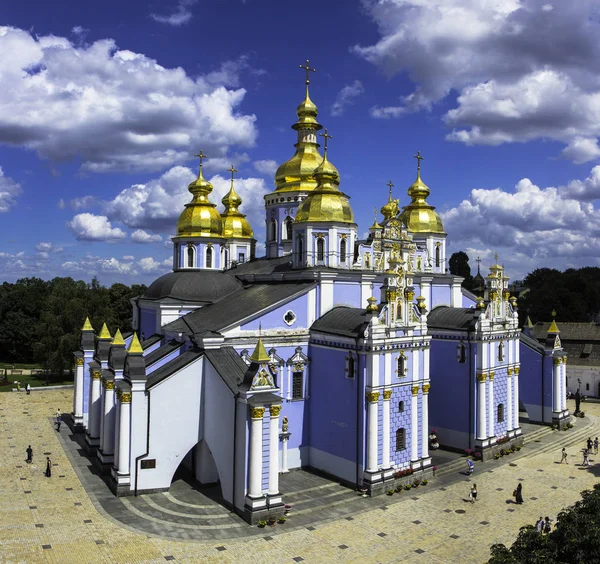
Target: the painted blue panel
(346, 294)
(265, 450)
(467, 302)
(440, 295)
(147, 323)
(274, 319)
(500, 397)
(535, 383)
(400, 418)
(161, 362)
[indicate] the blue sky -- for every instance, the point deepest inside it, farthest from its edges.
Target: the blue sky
(102, 109)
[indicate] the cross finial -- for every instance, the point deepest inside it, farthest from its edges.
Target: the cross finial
(478, 263)
(391, 185)
(496, 257)
(306, 67)
(233, 171)
(419, 159)
(553, 314)
(325, 136)
(201, 156)
(375, 212)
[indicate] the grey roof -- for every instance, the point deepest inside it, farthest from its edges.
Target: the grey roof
(238, 306)
(343, 321)
(102, 349)
(116, 357)
(229, 365)
(582, 354)
(457, 318)
(87, 341)
(135, 367)
(203, 286)
(531, 342)
(263, 266)
(171, 367)
(569, 331)
(162, 351)
(150, 341)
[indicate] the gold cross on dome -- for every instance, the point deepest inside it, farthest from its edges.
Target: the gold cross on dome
(233, 171)
(419, 159)
(201, 156)
(496, 257)
(308, 69)
(478, 263)
(325, 136)
(391, 185)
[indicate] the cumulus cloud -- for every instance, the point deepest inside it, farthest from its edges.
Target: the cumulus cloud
(268, 167)
(128, 258)
(47, 247)
(346, 97)
(9, 190)
(90, 227)
(150, 264)
(141, 236)
(113, 108)
(531, 226)
(513, 83)
(179, 17)
(83, 203)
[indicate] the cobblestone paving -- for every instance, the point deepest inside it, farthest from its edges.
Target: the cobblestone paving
(57, 519)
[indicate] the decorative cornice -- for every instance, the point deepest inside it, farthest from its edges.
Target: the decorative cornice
(387, 394)
(96, 374)
(492, 374)
(517, 370)
(257, 412)
(415, 390)
(426, 388)
(558, 360)
(125, 397)
(481, 377)
(109, 384)
(510, 371)
(79, 361)
(274, 410)
(372, 396)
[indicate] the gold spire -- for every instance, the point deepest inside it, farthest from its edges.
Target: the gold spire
(553, 326)
(260, 354)
(419, 216)
(298, 172)
(235, 224)
(528, 323)
(134, 346)
(375, 225)
(87, 326)
(118, 338)
(104, 333)
(391, 208)
(200, 217)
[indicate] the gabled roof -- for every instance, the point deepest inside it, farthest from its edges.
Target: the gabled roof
(237, 307)
(162, 351)
(171, 367)
(589, 331)
(150, 340)
(582, 354)
(202, 286)
(456, 318)
(531, 342)
(229, 365)
(343, 321)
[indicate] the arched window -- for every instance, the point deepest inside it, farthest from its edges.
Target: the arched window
(437, 256)
(209, 254)
(320, 249)
(501, 351)
(350, 366)
(288, 228)
(401, 365)
(461, 353)
(343, 250)
(400, 439)
(500, 412)
(190, 257)
(272, 230)
(300, 250)
(399, 311)
(401, 407)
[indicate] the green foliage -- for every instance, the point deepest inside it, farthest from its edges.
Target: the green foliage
(40, 321)
(459, 266)
(576, 537)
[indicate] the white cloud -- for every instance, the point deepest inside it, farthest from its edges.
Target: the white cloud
(128, 258)
(588, 189)
(149, 264)
(61, 204)
(346, 97)
(79, 30)
(90, 227)
(530, 227)
(83, 203)
(9, 190)
(267, 167)
(179, 17)
(141, 236)
(114, 109)
(113, 265)
(513, 83)
(47, 247)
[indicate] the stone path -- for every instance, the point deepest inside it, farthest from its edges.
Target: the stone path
(57, 520)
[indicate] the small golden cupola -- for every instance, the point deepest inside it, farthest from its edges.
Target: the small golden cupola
(419, 216)
(200, 217)
(235, 224)
(327, 203)
(390, 209)
(298, 172)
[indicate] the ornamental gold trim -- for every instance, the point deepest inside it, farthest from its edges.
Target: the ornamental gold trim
(79, 361)
(96, 374)
(426, 388)
(510, 371)
(257, 412)
(274, 410)
(125, 397)
(517, 370)
(372, 396)
(481, 377)
(109, 385)
(492, 374)
(103, 382)
(415, 390)
(558, 360)
(387, 394)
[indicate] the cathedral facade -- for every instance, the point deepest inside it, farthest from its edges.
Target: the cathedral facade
(333, 352)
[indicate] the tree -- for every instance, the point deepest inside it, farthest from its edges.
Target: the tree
(459, 266)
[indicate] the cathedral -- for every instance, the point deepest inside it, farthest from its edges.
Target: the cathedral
(333, 353)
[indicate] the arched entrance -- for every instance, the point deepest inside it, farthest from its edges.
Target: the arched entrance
(199, 471)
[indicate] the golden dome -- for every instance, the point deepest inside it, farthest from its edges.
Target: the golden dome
(390, 209)
(235, 224)
(200, 217)
(419, 216)
(326, 203)
(297, 173)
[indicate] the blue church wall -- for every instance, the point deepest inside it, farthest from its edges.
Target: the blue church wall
(500, 397)
(449, 410)
(147, 326)
(440, 295)
(400, 420)
(161, 362)
(87, 358)
(467, 302)
(535, 384)
(346, 294)
(274, 319)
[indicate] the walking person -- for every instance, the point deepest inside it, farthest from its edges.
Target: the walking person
(58, 413)
(519, 494)
(58, 422)
(563, 456)
(28, 388)
(547, 526)
(48, 467)
(590, 444)
(596, 445)
(29, 454)
(585, 458)
(470, 466)
(539, 526)
(474, 493)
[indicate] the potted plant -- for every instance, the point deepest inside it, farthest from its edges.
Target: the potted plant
(497, 455)
(425, 482)
(262, 524)
(407, 487)
(398, 489)
(390, 492)
(272, 521)
(416, 484)
(282, 519)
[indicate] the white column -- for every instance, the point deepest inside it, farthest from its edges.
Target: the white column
(255, 458)
(563, 395)
(124, 431)
(78, 392)
(274, 450)
(101, 390)
(284, 455)
(516, 398)
(385, 459)
(94, 408)
(372, 414)
(509, 400)
(108, 434)
(492, 410)
(117, 433)
(414, 415)
(288, 391)
(481, 418)
(425, 420)
(556, 377)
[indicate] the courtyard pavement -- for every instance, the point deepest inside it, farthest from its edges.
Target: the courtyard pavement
(70, 517)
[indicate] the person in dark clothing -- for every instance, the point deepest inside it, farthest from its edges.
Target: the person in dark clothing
(519, 496)
(58, 422)
(29, 454)
(48, 467)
